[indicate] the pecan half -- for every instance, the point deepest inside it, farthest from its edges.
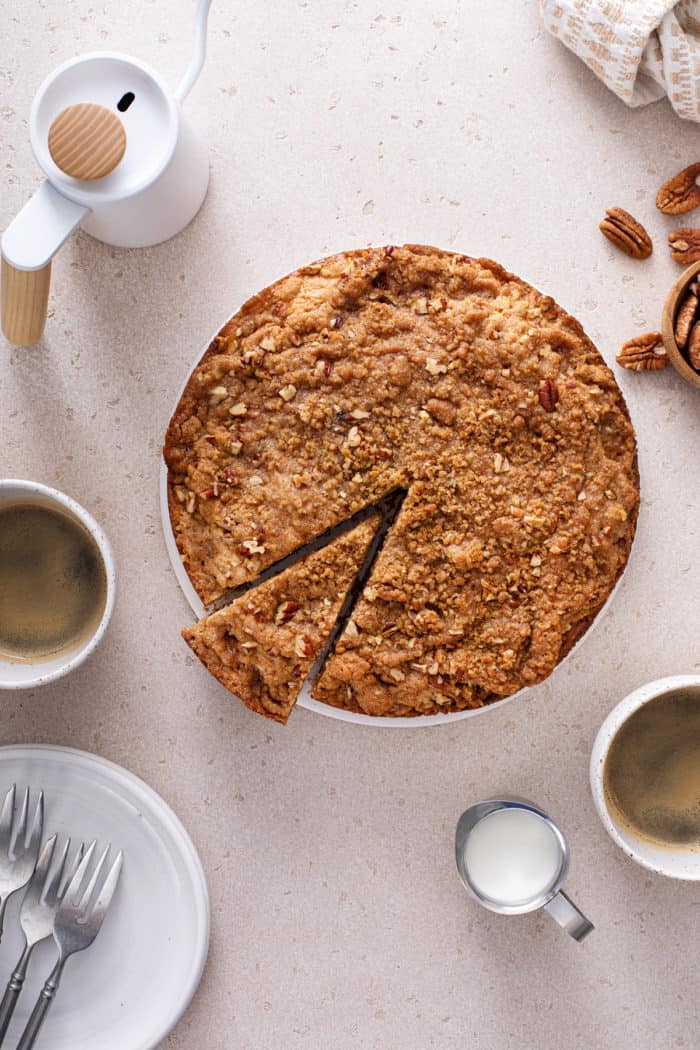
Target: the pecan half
(694, 346)
(623, 230)
(644, 353)
(285, 611)
(303, 646)
(681, 193)
(548, 395)
(686, 316)
(685, 245)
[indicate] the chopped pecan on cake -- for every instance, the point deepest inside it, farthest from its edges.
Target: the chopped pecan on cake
(263, 644)
(420, 369)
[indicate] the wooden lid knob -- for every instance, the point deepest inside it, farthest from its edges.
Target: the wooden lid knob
(87, 141)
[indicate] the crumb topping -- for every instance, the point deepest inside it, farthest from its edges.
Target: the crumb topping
(445, 375)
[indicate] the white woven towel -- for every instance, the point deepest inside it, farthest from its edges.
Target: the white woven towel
(642, 49)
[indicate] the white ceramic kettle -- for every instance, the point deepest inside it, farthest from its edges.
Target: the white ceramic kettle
(121, 161)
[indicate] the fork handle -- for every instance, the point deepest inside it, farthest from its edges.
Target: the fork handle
(3, 906)
(14, 987)
(46, 997)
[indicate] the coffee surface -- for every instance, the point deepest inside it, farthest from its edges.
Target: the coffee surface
(652, 772)
(53, 585)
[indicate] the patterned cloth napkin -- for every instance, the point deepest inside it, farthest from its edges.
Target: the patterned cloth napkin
(641, 49)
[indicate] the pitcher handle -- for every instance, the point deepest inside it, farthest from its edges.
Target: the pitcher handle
(28, 245)
(564, 911)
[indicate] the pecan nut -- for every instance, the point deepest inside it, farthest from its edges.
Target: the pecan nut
(285, 611)
(548, 395)
(681, 193)
(686, 315)
(694, 346)
(623, 230)
(303, 646)
(685, 245)
(644, 353)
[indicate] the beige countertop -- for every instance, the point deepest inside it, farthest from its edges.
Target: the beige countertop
(337, 916)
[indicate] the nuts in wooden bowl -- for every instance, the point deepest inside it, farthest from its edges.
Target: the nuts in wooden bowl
(679, 339)
(680, 325)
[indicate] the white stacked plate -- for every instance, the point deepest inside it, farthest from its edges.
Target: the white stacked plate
(132, 985)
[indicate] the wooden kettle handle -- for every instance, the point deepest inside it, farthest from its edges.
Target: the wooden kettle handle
(25, 296)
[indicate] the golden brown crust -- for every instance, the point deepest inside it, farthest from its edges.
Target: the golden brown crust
(445, 375)
(263, 644)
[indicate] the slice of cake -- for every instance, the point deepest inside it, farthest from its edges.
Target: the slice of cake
(263, 645)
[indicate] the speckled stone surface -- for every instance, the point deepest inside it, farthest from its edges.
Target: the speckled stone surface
(337, 916)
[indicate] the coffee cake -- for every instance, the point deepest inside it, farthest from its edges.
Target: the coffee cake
(447, 376)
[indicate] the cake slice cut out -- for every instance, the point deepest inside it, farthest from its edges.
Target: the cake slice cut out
(263, 645)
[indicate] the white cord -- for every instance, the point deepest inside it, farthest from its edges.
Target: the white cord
(200, 48)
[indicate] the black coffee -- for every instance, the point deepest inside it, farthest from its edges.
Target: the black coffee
(53, 585)
(652, 771)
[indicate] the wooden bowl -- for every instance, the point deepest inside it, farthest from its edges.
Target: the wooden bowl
(668, 324)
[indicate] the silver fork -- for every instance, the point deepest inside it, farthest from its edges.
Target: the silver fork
(39, 907)
(18, 853)
(77, 923)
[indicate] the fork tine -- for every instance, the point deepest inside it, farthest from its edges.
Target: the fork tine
(37, 828)
(78, 857)
(72, 868)
(52, 885)
(8, 809)
(107, 892)
(90, 888)
(70, 895)
(44, 862)
(20, 825)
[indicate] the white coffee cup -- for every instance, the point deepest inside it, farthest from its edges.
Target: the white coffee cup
(678, 862)
(29, 675)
